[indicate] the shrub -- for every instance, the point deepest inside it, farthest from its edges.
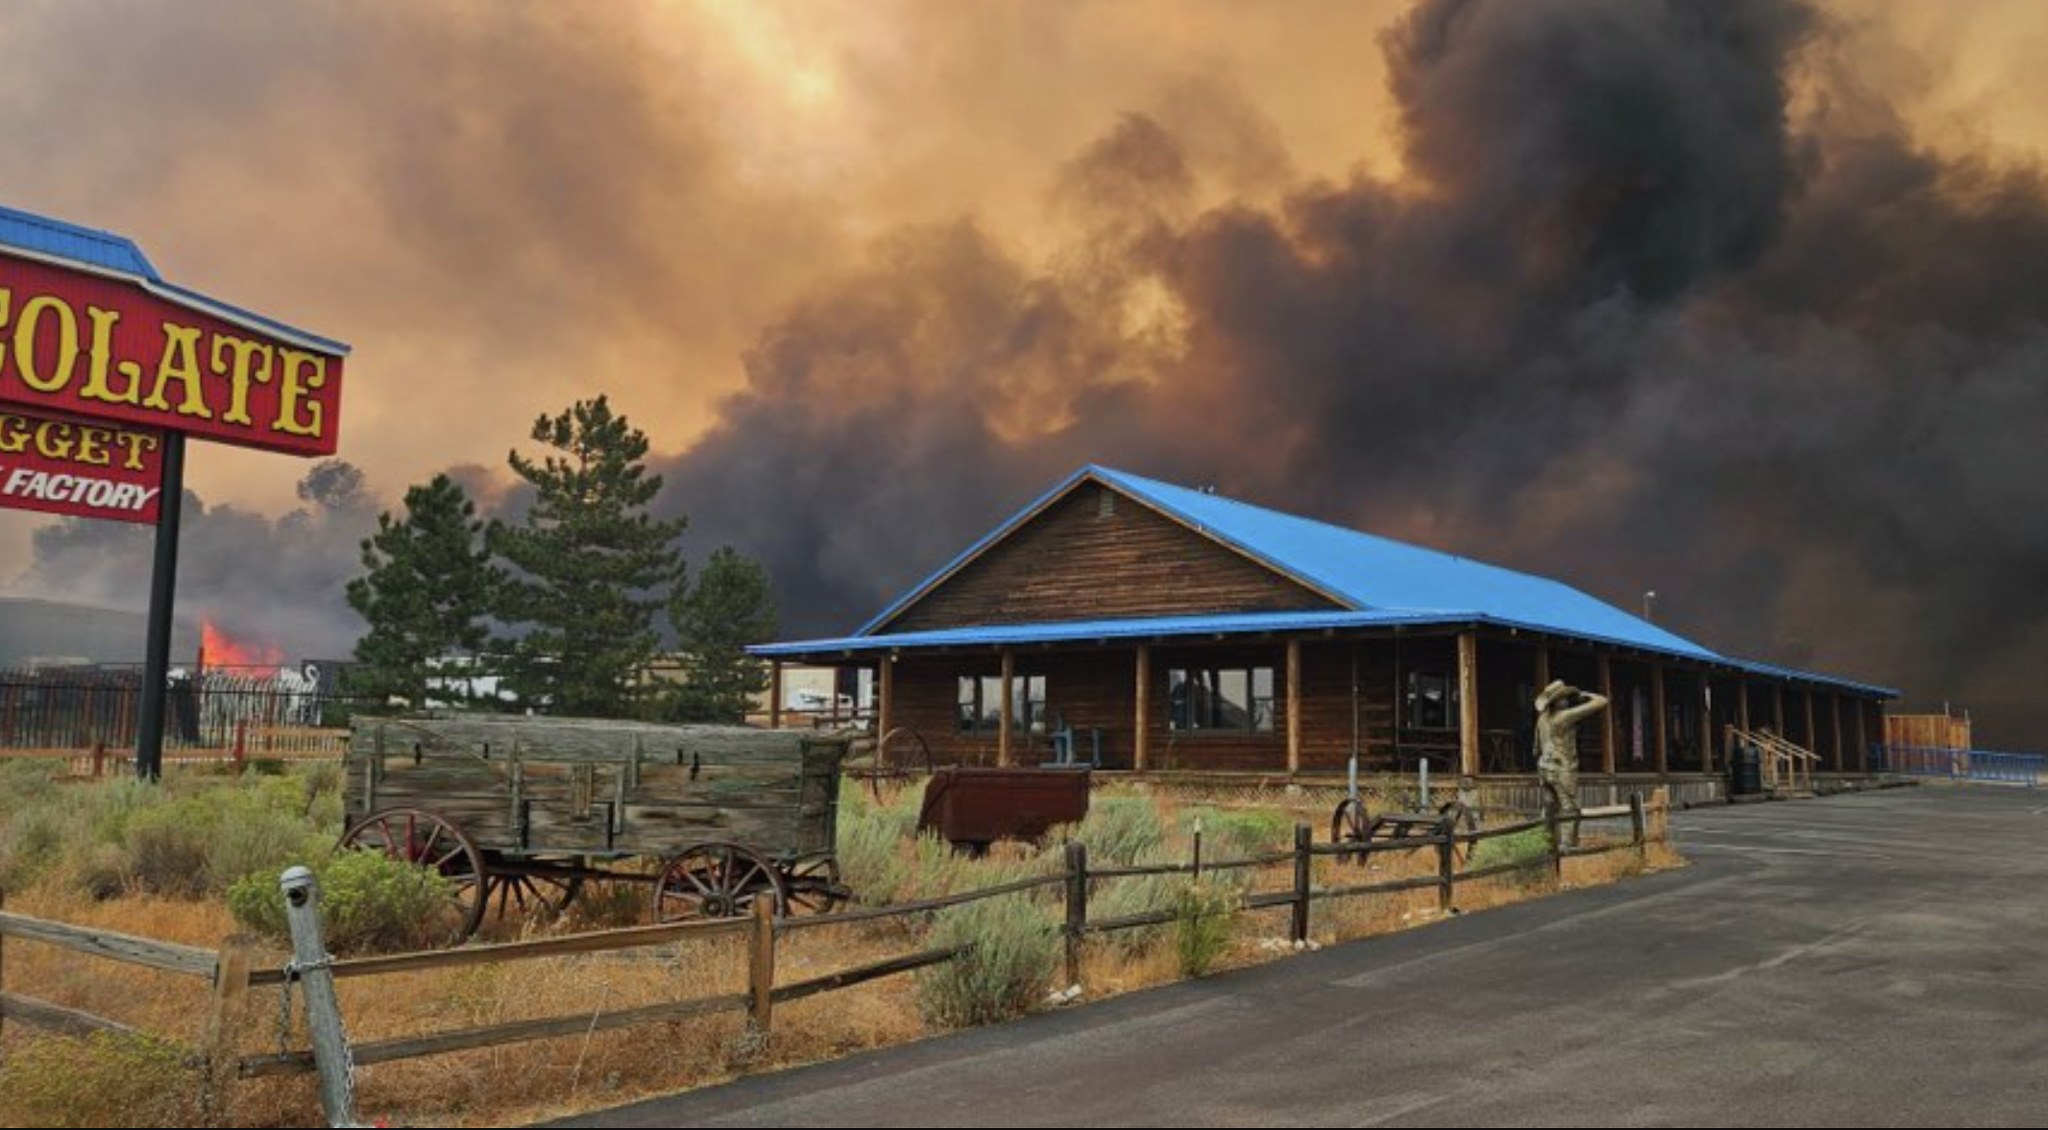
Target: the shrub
(167, 845)
(1525, 849)
(104, 1079)
(1204, 916)
(1015, 948)
(369, 902)
(1121, 831)
(872, 839)
(1125, 898)
(1240, 834)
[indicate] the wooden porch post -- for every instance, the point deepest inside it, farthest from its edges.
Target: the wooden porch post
(1662, 713)
(1607, 718)
(1707, 728)
(1862, 736)
(885, 695)
(1742, 704)
(1141, 742)
(775, 694)
(1542, 666)
(1812, 734)
(1778, 710)
(1293, 707)
(1003, 727)
(1468, 704)
(1835, 715)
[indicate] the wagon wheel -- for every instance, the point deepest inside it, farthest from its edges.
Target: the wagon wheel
(814, 886)
(421, 838)
(715, 880)
(1351, 824)
(913, 760)
(526, 892)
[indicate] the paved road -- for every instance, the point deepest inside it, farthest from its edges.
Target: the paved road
(1872, 960)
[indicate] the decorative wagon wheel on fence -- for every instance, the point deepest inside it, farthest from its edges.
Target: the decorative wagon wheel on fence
(912, 758)
(716, 880)
(813, 884)
(423, 839)
(1351, 823)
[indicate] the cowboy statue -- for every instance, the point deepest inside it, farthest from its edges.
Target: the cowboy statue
(1559, 710)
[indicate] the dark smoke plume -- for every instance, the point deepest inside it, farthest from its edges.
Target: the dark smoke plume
(1628, 320)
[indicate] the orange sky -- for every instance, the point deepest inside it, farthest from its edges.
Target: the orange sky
(501, 214)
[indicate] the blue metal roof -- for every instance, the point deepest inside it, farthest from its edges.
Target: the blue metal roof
(59, 240)
(45, 238)
(1381, 582)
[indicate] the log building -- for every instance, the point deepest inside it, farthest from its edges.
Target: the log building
(1174, 630)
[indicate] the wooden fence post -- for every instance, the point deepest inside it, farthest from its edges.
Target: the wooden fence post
(99, 760)
(1077, 908)
(1553, 824)
(1447, 865)
(1639, 824)
(1196, 855)
(761, 969)
(223, 1026)
(3, 971)
(241, 745)
(1304, 871)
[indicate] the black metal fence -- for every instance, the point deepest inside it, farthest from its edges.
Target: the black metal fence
(257, 712)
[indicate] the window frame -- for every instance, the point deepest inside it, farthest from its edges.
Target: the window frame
(1261, 710)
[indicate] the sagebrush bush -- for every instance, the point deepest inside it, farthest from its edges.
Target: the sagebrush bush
(1526, 849)
(1233, 833)
(369, 903)
(873, 856)
(1205, 915)
(1015, 949)
(1121, 831)
(104, 1079)
(1125, 898)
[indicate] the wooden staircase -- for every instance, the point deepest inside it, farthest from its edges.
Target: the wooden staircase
(1788, 768)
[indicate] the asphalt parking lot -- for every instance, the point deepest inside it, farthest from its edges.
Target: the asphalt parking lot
(1877, 959)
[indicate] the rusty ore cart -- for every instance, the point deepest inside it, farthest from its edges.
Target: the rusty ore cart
(519, 813)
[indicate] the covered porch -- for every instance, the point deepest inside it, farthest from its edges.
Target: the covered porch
(1300, 697)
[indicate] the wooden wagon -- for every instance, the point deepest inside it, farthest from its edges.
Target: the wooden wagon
(519, 812)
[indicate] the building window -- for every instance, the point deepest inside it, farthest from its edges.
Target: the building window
(1432, 701)
(1220, 699)
(981, 704)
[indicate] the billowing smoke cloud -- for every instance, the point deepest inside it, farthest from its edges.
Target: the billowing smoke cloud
(269, 583)
(1630, 318)
(1648, 295)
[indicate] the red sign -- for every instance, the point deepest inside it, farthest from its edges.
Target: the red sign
(116, 348)
(79, 468)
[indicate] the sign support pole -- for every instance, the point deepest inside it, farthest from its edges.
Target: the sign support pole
(163, 589)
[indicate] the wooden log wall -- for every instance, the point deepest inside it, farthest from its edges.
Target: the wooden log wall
(1098, 554)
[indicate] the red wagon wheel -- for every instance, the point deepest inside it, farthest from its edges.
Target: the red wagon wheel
(716, 880)
(814, 885)
(419, 837)
(527, 892)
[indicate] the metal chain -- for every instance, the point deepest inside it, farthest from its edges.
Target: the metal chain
(284, 1007)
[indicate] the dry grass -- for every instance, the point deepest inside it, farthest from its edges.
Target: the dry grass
(532, 1081)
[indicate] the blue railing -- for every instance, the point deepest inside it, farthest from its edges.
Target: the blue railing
(2027, 769)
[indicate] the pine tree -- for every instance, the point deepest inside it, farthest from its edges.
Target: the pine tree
(426, 591)
(590, 568)
(728, 608)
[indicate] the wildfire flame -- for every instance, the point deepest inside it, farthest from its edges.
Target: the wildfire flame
(218, 649)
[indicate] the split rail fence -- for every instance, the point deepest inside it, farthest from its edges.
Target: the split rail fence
(232, 972)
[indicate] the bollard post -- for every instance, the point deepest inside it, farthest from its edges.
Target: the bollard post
(312, 968)
(1304, 861)
(1197, 859)
(1077, 909)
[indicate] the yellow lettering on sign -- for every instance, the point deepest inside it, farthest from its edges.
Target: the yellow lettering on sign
(251, 363)
(101, 357)
(136, 444)
(6, 309)
(293, 391)
(32, 313)
(53, 440)
(180, 363)
(13, 435)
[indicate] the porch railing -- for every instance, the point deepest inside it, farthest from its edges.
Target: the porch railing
(2026, 769)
